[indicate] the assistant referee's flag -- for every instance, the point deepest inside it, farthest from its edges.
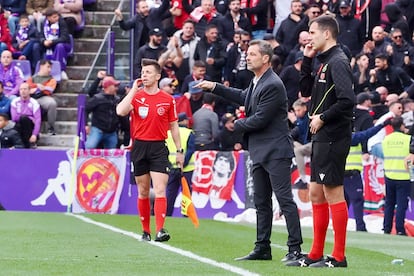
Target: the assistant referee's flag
(187, 206)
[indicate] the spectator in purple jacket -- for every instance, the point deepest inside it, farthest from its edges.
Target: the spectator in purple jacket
(26, 112)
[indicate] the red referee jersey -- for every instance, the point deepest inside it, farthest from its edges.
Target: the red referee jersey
(151, 115)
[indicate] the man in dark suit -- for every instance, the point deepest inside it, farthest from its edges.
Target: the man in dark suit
(270, 145)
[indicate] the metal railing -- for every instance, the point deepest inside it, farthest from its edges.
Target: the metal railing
(110, 56)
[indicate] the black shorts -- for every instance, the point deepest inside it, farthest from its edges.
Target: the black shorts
(149, 156)
(328, 162)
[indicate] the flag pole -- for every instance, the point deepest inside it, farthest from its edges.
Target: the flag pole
(73, 178)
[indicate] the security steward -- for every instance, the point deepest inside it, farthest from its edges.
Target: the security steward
(396, 148)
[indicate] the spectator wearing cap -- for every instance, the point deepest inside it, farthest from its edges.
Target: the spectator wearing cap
(206, 124)
(395, 79)
(213, 52)
(54, 38)
(105, 121)
(152, 50)
(174, 177)
(228, 139)
(236, 73)
(350, 33)
(363, 119)
(290, 76)
(142, 22)
(196, 96)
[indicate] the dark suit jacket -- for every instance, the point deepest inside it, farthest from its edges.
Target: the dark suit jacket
(265, 126)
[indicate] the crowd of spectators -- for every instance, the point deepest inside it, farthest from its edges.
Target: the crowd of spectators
(35, 33)
(197, 40)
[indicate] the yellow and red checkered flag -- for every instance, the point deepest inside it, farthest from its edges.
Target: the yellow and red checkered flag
(187, 206)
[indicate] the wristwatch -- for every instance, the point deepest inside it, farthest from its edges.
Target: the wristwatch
(180, 151)
(322, 117)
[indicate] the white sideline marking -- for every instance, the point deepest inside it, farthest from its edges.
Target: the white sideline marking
(182, 252)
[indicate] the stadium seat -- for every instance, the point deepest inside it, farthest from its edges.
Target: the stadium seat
(56, 70)
(25, 67)
(81, 26)
(72, 45)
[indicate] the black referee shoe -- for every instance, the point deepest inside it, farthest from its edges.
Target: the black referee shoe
(162, 236)
(330, 262)
(146, 236)
(304, 261)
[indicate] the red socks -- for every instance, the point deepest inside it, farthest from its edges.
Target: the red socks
(144, 210)
(339, 213)
(160, 210)
(320, 225)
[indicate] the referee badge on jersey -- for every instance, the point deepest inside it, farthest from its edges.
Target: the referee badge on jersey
(143, 111)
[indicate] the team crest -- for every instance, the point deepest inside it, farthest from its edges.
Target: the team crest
(161, 111)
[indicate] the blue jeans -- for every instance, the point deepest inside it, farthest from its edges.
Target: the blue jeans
(259, 34)
(397, 192)
(376, 150)
(110, 140)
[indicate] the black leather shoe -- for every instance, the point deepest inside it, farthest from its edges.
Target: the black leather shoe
(292, 256)
(256, 255)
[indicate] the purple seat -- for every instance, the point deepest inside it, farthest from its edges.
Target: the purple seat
(56, 70)
(89, 2)
(24, 66)
(81, 26)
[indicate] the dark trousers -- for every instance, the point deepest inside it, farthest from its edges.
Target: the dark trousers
(25, 127)
(173, 186)
(354, 194)
(274, 176)
(396, 192)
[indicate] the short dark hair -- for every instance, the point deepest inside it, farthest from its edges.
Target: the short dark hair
(189, 21)
(327, 22)
(50, 11)
(45, 61)
(209, 98)
(23, 16)
(397, 122)
(151, 62)
(199, 63)
(382, 56)
(210, 26)
(5, 116)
